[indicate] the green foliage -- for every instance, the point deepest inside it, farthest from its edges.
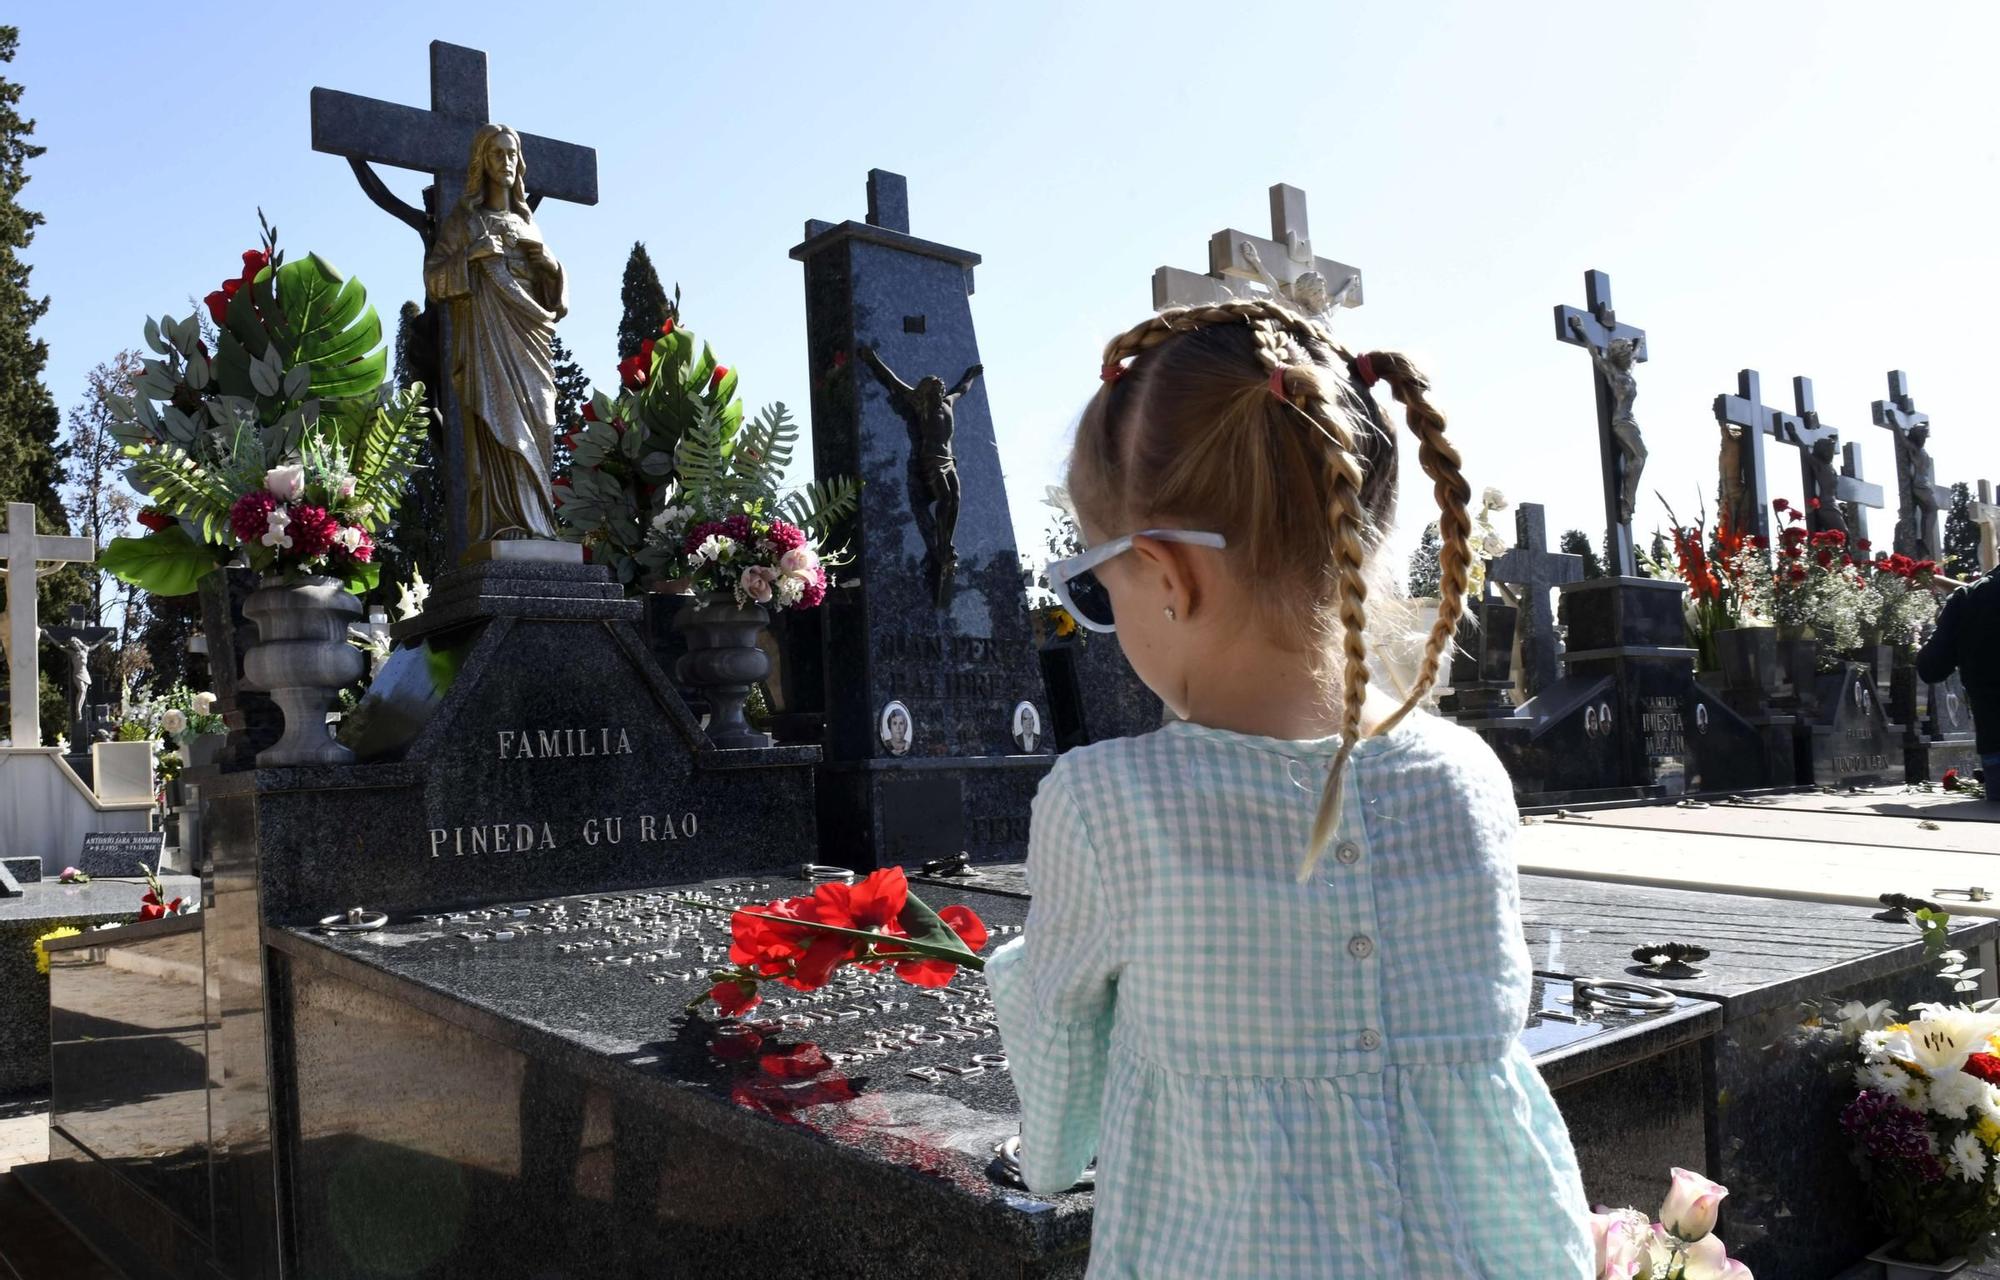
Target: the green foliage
(416, 542)
(1960, 536)
(572, 393)
(644, 302)
(167, 563)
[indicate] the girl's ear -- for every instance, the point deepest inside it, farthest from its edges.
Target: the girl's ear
(1168, 571)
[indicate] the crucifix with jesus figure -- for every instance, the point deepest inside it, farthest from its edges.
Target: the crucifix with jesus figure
(482, 248)
(29, 556)
(1919, 497)
(1241, 264)
(1615, 351)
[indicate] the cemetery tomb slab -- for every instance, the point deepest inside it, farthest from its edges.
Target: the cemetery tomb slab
(1888, 802)
(1755, 821)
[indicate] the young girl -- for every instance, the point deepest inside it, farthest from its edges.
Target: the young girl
(1273, 975)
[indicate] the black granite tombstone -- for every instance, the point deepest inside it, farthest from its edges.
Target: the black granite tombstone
(1482, 660)
(1938, 729)
(955, 651)
(1848, 734)
(1094, 694)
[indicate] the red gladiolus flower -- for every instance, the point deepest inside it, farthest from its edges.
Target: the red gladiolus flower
(874, 903)
(1983, 1066)
(150, 907)
(936, 973)
(666, 326)
(155, 519)
(761, 940)
(646, 352)
(1950, 780)
(254, 260)
(218, 306)
(734, 996)
(589, 411)
(715, 379)
(631, 372)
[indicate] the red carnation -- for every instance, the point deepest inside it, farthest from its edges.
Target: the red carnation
(734, 996)
(1983, 1066)
(1950, 780)
(1798, 573)
(1824, 557)
(155, 519)
(312, 530)
(715, 379)
(1779, 504)
(251, 515)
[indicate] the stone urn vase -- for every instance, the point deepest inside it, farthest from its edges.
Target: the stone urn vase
(1748, 658)
(203, 749)
(302, 660)
(722, 661)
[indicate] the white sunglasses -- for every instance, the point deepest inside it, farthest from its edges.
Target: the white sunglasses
(1077, 585)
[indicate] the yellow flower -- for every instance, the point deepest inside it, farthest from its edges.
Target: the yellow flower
(1065, 625)
(41, 953)
(1989, 1132)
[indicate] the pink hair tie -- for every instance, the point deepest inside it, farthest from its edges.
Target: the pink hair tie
(1112, 372)
(1364, 369)
(1278, 383)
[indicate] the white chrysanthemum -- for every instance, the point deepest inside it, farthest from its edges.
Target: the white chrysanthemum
(1875, 1044)
(1968, 1158)
(788, 591)
(1954, 1094)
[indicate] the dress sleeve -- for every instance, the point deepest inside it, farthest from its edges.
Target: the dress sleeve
(1054, 992)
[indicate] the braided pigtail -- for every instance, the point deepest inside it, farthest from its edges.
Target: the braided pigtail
(1302, 385)
(1439, 459)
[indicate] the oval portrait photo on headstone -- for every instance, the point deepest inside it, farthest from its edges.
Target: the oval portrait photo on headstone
(1027, 727)
(896, 728)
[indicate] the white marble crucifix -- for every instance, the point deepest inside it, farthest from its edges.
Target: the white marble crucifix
(26, 553)
(1985, 513)
(1243, 265)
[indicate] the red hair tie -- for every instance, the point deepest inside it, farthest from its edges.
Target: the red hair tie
(1364, 369)
(1112, 372)
(1278, 383)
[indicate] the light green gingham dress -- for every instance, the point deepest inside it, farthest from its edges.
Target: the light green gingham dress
(1279, 1079)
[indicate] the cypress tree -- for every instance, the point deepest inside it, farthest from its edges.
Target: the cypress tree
(1424, 571)
(1961, 536)
(645, 302)
(1577, 543)
(31, 452)
(572, 393)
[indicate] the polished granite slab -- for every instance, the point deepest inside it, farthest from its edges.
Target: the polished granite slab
(593, 988)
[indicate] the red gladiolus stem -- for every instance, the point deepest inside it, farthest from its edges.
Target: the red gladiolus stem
(961, 955)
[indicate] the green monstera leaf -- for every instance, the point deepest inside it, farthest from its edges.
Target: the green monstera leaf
(311, 315)
(166, 563)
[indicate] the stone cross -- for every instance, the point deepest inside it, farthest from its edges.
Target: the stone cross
(1919, 497)
(1754, 419)
(1285, 264)
(25, 552)
(369, 131)
(1857, 495)
(1535, 570)
(1599, 329)
(1983, 512)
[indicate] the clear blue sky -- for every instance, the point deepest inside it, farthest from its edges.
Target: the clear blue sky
(1803, 189)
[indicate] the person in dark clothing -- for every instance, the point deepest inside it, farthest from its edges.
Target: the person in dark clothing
(1967, 640)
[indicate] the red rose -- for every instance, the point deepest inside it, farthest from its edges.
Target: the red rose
(155, 519)
(1798, 573)
(1950, 780)
(1865, 545)
(715, 379)
(589, 411)
(734, 996)
(218, 306)
(1983, 1066)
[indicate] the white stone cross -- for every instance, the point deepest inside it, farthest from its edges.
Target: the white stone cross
(1984, 513)
(1238, 260)
(25, 553)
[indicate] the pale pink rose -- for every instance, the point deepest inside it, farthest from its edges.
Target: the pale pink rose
(800, 560)
(756, 583)
(346, 489)
(288, 484)
(1708, 1260)
(1618, 1249)
(1691, 1205)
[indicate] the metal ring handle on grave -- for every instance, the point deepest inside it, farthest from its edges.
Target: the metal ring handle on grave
(819, 871)
(354, 920)
(1618, 994)
(1006, 1167)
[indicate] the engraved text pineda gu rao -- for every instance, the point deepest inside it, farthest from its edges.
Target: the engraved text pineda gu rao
(538, 837)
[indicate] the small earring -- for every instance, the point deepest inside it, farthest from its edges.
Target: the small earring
(1171, 615)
